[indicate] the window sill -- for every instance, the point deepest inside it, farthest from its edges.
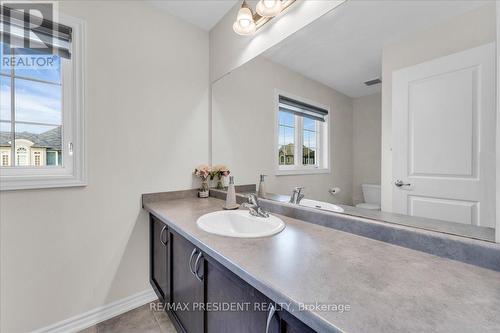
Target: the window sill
(29, 183)
(291, 172)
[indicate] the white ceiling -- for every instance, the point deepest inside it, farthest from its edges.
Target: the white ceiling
(202, 13)
(344, 48)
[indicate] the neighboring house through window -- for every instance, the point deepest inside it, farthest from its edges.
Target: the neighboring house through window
(302, 136)
(41, 115)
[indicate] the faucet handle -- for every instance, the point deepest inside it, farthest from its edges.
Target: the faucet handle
(299, 189)
(253, 206)
(252, 199)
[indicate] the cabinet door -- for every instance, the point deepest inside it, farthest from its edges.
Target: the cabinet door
(186, 288)
(290, 324)
(159, 267)
(224, 288)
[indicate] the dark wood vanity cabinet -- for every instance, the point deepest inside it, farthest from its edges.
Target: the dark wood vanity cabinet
(159, 258)
(197, 287)
(246, 309)
(188, 287)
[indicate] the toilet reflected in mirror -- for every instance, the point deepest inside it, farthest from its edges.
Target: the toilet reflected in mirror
(371, 195)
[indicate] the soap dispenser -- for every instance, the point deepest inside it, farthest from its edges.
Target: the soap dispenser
(261, 192)
(231, 196)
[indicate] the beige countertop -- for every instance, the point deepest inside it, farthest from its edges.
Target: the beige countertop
(387, 287)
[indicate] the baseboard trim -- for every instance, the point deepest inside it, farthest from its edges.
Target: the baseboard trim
(93, 317)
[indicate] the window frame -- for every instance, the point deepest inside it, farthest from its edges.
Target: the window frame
(73, 171)
(323, 145)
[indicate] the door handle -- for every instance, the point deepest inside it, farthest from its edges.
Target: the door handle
(270, 316)
(161, 235)
(196, 267)
(400, 183)
(191, 259)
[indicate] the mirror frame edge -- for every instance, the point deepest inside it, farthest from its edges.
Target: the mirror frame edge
(497, 227)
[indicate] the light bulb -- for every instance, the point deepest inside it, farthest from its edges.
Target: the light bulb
(244, 30)
(244, 23)
(269, 8)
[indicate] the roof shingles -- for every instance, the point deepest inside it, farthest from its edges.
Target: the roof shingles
(50, 139)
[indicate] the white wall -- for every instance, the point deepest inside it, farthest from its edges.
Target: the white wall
(67, 251)
(366, 122)
(228, 50)
(243, 107)
(468, 30)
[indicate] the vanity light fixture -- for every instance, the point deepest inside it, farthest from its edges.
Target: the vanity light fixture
(244, 24)
(247, 22)
(269, 8)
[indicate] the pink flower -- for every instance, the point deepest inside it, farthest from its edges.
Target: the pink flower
(202, 171)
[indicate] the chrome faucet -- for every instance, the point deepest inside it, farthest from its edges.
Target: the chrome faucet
(253, 206)
(297, 195)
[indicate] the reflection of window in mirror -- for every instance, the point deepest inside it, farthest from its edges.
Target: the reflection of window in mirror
(301, 136)
(309, 138)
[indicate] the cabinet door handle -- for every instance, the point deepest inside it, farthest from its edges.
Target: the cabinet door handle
(270, 316)
(161, 235)
(196, 267)
(190, 260)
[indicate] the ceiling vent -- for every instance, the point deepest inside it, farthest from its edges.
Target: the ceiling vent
(373, 82)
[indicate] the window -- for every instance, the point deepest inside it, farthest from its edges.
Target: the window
(5, 158)
(286, 138)
(52, 158)
(37, 159)
(310, 134)
(302, 136)
(41, 115)
(21, 156)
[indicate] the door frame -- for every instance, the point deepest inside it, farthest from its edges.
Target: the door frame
(497, 227)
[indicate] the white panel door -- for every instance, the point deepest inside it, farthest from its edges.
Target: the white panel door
(444, 138)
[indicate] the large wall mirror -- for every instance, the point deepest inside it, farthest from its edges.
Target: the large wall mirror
(380, 109)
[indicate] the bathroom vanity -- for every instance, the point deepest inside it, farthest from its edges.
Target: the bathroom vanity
(307, 278)
(202, 295)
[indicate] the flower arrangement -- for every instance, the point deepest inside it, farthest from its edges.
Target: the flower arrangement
(203, 172)
(219, 171)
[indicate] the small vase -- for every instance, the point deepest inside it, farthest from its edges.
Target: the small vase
(220, 184)
(203, 192)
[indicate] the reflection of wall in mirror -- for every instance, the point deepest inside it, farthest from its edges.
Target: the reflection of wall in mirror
(243, 111)
(471, 29)
(366, 149)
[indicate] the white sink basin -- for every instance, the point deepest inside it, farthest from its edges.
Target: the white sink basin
(321, 205)
(239, 223)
